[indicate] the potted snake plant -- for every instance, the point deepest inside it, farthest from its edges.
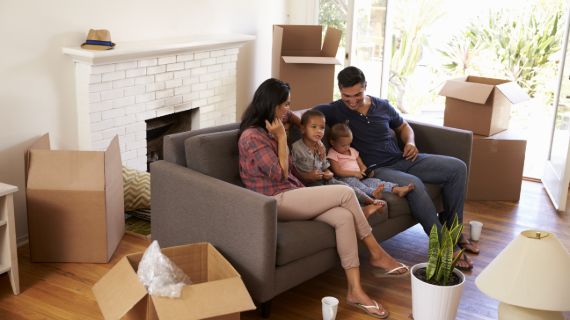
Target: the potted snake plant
(436, 285)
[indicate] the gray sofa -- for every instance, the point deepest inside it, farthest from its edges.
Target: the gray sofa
(197, 195)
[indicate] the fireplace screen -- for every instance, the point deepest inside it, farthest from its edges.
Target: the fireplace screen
(157, 128)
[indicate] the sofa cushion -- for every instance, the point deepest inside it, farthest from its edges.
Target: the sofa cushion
(215, 154)
(300, 239)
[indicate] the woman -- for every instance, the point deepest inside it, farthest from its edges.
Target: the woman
(265, 167)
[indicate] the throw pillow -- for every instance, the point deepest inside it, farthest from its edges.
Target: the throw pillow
(136, 187)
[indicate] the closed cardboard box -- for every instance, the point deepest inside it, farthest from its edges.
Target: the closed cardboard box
(216, 292)
(497, 164)
(303, 59)
(75, 203)
(482, 105)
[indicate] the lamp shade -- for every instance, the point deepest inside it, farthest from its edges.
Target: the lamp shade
(533, 271)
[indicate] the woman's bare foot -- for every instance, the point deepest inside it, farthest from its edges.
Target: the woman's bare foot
(377, 206)
(360, 299)
(378, 192)
(388, 263)
(402, 191)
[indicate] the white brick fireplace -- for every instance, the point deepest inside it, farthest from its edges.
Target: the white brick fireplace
(118, 89)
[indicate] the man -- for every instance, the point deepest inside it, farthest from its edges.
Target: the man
(370, 120)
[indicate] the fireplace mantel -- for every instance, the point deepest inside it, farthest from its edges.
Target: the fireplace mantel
(118, 90)
(140, 49)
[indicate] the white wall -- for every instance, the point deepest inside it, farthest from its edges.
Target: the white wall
(36, 79)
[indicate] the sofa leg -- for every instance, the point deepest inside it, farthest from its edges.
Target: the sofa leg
(265, 309)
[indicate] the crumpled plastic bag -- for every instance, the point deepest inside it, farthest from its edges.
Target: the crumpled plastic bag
(159, 275)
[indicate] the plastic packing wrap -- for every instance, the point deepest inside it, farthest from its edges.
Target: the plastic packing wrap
(159, 275)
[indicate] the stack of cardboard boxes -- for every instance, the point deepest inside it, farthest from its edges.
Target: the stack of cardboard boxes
(483, 105)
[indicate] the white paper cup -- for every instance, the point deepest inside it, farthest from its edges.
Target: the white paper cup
(330, 306)
(475, 227)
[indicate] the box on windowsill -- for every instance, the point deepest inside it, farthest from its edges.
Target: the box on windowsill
(216, 292)
(75, 203)
(482, 105)
(307, 62)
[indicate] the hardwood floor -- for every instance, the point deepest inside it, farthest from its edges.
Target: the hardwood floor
(63, 290)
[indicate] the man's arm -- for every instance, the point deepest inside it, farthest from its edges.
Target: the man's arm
(406, 134)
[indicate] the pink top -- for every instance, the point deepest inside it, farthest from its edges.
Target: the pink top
(346, 162)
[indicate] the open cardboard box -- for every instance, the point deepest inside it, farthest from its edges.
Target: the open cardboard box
(217, 291)
(75, 203)
(301, 58)
(496, 169)
(482, 105)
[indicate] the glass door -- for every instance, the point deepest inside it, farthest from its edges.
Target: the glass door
(556, 175)
(363, 24)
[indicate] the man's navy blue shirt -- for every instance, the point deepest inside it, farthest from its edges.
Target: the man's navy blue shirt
(371, 133)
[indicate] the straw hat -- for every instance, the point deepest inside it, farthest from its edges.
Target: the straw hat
(98, 40)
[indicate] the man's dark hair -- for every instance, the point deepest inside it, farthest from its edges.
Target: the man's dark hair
(351, 76)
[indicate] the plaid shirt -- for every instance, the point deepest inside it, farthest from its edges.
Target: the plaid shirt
(259, 167)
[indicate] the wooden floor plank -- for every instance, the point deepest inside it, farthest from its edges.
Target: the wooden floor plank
(63, 290)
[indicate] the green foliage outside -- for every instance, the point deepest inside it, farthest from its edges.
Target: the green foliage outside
(333, 13)
(516, 47)
(441, 260)
(408, 42)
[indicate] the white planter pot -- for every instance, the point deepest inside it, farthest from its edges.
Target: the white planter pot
(431, 302)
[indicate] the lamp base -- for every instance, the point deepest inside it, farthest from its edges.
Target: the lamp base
(511, 312)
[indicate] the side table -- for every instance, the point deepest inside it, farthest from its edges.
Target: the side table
(8, 249)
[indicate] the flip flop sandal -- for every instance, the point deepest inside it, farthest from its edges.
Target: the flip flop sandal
(468, 246)
(367, 310)
(394, 273)
(464, 259)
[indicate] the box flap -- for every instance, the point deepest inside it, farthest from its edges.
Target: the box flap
(513, 92)
(331, 42)
(485, 80)
(301, 40)
(66, 170)
(119, 290)
(276, 50)
(40, 143)
(467, 91)
(310, 60)
(114, 196)
(206, 300)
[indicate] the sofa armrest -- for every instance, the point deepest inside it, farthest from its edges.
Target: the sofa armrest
(443, 140)
(189, 207)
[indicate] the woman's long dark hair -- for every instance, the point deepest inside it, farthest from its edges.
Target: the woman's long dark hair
(271, 93)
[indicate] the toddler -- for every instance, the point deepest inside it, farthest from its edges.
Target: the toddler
(348, 167)
(311, 164)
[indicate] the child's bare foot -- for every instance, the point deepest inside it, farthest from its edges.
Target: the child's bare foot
(377, 206)
(378, 192)
(402, 191)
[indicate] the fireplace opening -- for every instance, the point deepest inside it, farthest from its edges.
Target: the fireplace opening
(157, 128)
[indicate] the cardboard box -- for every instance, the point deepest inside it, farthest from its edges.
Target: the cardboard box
(300, 59)
(497, 164)
(216, 292)
(75, 203)
(482, 105)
